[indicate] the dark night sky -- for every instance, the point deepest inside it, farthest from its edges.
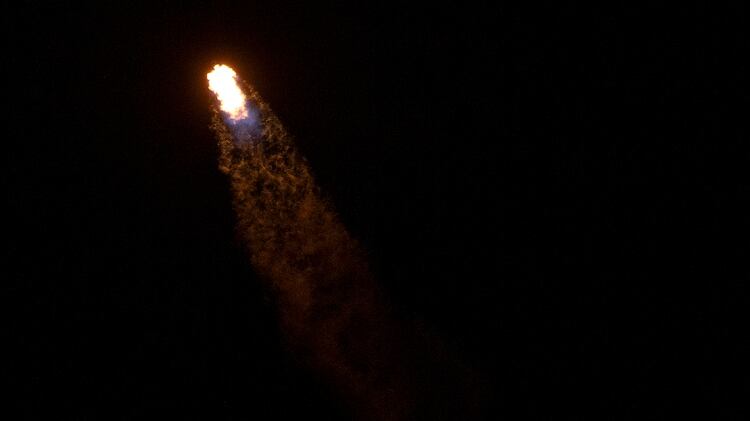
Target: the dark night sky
(560, 195)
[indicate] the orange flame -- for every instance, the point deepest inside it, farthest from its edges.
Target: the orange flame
(222, 80)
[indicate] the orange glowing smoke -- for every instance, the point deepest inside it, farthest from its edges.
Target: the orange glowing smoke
(222, 80)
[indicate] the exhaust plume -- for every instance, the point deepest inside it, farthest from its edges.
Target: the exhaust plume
(330, 309)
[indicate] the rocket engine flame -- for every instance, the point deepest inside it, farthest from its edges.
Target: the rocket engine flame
(222, 81)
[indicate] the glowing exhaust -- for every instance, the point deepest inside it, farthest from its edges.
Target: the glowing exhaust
(222, 80)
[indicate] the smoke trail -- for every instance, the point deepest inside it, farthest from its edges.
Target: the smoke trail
(330, 308)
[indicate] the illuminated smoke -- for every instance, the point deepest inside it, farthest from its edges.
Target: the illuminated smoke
(330, 308)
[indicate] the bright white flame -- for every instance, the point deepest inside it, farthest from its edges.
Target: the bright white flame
(222, 80)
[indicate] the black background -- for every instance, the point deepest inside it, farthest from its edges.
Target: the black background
(559, 194)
